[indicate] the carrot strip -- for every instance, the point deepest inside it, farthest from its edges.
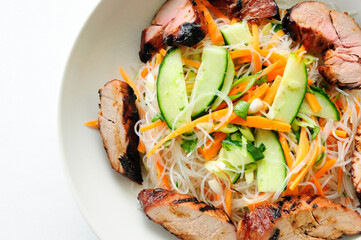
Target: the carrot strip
(357, 105)
(339, 178)
(313, 102)
(153, 125)
(228, 201)
(160, 170)
(240, 53)
(234, 20)
(303, 147)
(257, 62)
(304, 171)
(300, 52)
(191, 63)
(318, 186)
(144, 73)
(213, 150)
(286, 151)
(225, 123)
(258, 93)
(275, 39)
(190, 85)
(262, 123)
(255, 34)
(130, 82)
(141, 147)
(158, 59)
(309, 81)
(238, 89)
(241, 60)
(216, 12)
(275, 73)
(269, 69)
(163, 52)
(214, 33)
(187, 127)
(92, 124)
(273, 57)
(270, 96)
(341, 133)
(325, 168)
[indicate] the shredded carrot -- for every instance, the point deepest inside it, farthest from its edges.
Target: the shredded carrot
(341, 133)
(300, 52)
(255, 34)
(92, 124)
(262, 123)
(228, 201)
(309, 81)
(153, 125)
(189, 126)
(286, 151)
(163, 52)
(273, 57)
(339, 178)
(257, 62)
(216, 12)
(270, 68)
(225, 123)
(158, 59)
(318, 186)
(303, 147)
(329, 163)
(241, 60)
(358, 105)
(144, 73)
(190, 85)
(213, 150)
(160, 170)
(240, 53)
(275, 73)
(234, 20)
(253, 206)
(214, 33)
(238, 89)
(275, 39)
(191, 63)
(270, 96)
(304, 171)
(130, 82)
(258, 93)
(141, 147)
(313, 102)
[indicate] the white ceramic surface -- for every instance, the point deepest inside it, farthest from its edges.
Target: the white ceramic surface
(110, 38)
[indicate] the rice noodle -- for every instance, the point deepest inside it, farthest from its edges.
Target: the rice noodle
(186, 172)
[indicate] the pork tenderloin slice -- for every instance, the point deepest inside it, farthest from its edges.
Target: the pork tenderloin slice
(300, 217)
(177, 22)
(186, 217)
(341, 69)
(117, 117)
(310, 23)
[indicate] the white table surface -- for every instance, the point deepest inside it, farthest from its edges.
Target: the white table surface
(36, 38)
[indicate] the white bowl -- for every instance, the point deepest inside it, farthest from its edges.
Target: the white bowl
(109, 39)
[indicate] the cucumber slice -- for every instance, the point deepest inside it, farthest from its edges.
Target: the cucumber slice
(237, 33)
(227, 85)
(271, 171)
(246, 132)
(329, 109)
(249, 177)
(292, 90)
(230, 128)
(220, 167)
(210, 78)
(171, 89)
(235, 155)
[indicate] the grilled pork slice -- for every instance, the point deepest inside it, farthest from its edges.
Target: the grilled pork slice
(300, 217)
(186, 217)
(310, 23)
(320, 29)
(117, 117)
(176, 23)
(356, 164)
(251, 10)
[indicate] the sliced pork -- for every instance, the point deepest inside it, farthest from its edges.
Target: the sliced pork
(117, 117)
(250, 10)
(176, 23)
(310, 23)
(356, 164)
(321, 29)
(186, 217)
(300, 217)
